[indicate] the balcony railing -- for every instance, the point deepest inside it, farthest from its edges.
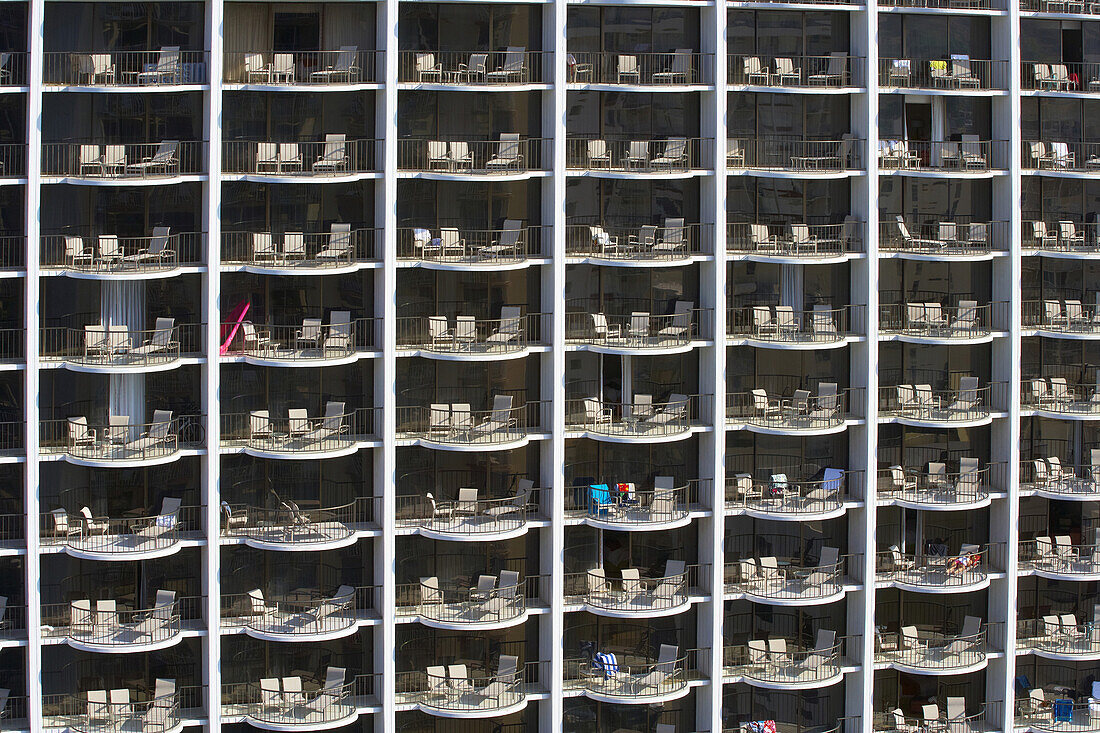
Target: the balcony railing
(1059, 396)
(13, 248)
(121, 440)
(12, 344)
(123, 161)
(108, 254)
(303, 613)
(312, 340)
(1062, 316)
(634, 676)
(166, 66)
(921, 403)
(670, 241)
(1061, 236)
(1059, 634)
(339, 429)
(11, 438)
(787, 578)
(13, 160)
(587, 323)
(784, 325)
(968, 155)
(794, 155)
(13, 68)
(954, 718)
(120, 710)
(639, 418)
(349, 65)
(634, 593)
(516, 65)
(458, 245)
(967, 320)
(469, 515)
(625, 504)
(513, 332)
(937, 486)
(828, 409)
(682, 66)
(456, 688)
(289, 526)
(1072, 156)
(779, 661)
(970, 566)
(457, 424)
(116, 345)
(1066, 76)
(1073, 717)
(933, 650)
(106, 627)
(942, 238)
(511, 154)
(491, 601)
(1060, 6)
(838, 69)
(296, 703)
(782, 496)
(636, 155)
(795, 240)
(959, 72)
(13, 627)
(336, 155)
(1049, 475)
(1059, 556)
(87, 534)
(341, 246)
(945, 4)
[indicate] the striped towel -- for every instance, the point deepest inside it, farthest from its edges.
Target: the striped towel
(606, 663)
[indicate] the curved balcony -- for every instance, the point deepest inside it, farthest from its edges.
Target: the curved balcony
(640, 420)
(910, 239)
(470, 517)
(1059, 637)
(334, 158)
(300, 437)
(623, 507)
(467, 338)
(788, 581)
(89, 537)
(117, 348)
(340, 249)
(959, 73)
(1064, 158)
(1079, 7)
(969, 156)
(109, 257)
(936, 488)
(837, 72)
(1066, 239)
(920, 405)
(1059, 559)
(347, 67)
(1037, 713)
(633, 595)
(795, 243)
(630, 678)
(1068, 319)
(166, 67)
(1070, 77)
(109, 711)
(462, 248)
(1050, 478)
(785, 499)
(510, 156)
(290, 528)
(589, 325)
(493, 603)
(1057, 397)
(454, 426)
(123, 163)
(302, 616)
(514, 67)
(933, 323)
(457, 691)
(101, 626)
(783, 327)
(784, 157)
(122, 443)
(953, 718)
(649, 71)
(625, 157)
(920, 650)
(801, 413)
(943, 572)
(291, 703)
(630, 244)
(340, 341)
(781, 664)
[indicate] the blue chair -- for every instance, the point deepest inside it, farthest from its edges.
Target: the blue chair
(600, 495)
(1063, 710)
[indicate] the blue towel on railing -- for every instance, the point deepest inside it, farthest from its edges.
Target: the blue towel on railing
(601, 497)
(606, 663)
(833, 479)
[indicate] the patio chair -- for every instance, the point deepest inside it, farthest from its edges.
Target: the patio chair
(309, 335)
(755, 72)
(599, 155)
(499, 420)
(334, 157)
(680, 326)
(786, 73)
(509, 328)
(160, 341)
(461, 157)
(763, 406)
(1067, 233)
(339, 245)
(166, 69)
(157, 251)
(438, 157)
(672, 237)
(961, 73)
(428, 69)
(92, 525)
(899, 73)
(627, 69)
(344, 68)
(330, 425)
(98, 67)
(596, 414)
(156, 436)
(1062, 158)
(674, 412)
(475, 69)
(508, 155)
(823, 324)
(1043, 77)
(338, 338)
(662, 672)
(835, 73)
(678, 71)
(282, 68)
(267, 157)
(509, 241)
(165, 160)
(513, 68)
(735, 153)
(637, 155)
(675, 154)
(331, 692)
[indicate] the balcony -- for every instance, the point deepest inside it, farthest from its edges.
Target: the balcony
(935, 488)
(800, 158)
(781, 326)
(127, 163)
(468, 516)
(512, 155)
(801, 412)
(101, 626)
(1073, 158)
(346, 67)
(492, 603)
(290, 528)
(1059, 559)
(335, 157)
(302, 616)
(959, 73)
(1068, 319)
(107, 711)
(1081, 7)
(168, 66)
(942, 572)
(921, 405)
(788, 580)
(90, 537)
(945, 5)
(624, 507)
(342, 340)
(1066, 238)
(461, 248)
(13, 69)
(639, 245)
(514, 67)
(1038, 714)
(633, 678)
(459, 691)
(806, 74)
(627, 157)
(458, 427)
(811, 243)
(1059, 637)
(955, 717)
(933, 323)
(342, 248)
(1050, 478)
(925, 650)
(1056, 397)
(117, 348)
(783, 664)
(13, 158)
(121, 443)
(467, 338)
(110, 257)
(633, 595)
(969, 156)
(1068, 76)
(291, 703)
(680, 68)
(337, 433)
(947, 240)
(821, 495)
(589, 326)
(11, 441)
(640, 419)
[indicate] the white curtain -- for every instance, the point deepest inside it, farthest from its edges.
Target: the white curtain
(343, 25)
(939, 124)
(122, 303)
(790, 286)
(247, 30)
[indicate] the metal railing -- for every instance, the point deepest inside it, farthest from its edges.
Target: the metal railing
(468, 515)
(637, 418)
(1075, 717)
(457, 424)
(1049, 634)
(13, 249)
(941, 487)
(786, 578)
(922, 403)
(1063, 76)
(586, 322)
(636, 155)
(510, 154)
(516, 65)
(931, 649)
(460, 245)
(341, 246)
(1075, 156)
(457, 603)
(782, 496)
(119, 346)
(12, 344)
(310, 340)
(963, 722)
(1062, 316)
(610, 503)
(782, 324)
(469, 335)
(95, 712)
(121, 440)
(946, 4)
(792, 663)
(801, 411)
(967, 320)
(970, 566)
(477, 691)
(1064, 235)
(682, 66)
(102, 624)
(669, 241)
(850, 724)
(346, 66)
(1060, 6)
(1060, 396)
(642, 595)
(837, 69)
(900, 234)
(957, 72)
(124, 68)
(107, 254)
(11, 438)
(13, 160)
(793, 154)
(306, 612)
(336, 155)
(635, 676)
(13, 68)
(89, 534)
(305, 705)
(337, 430)
(292, 526)
(112, 161)
(1059, 555)
(965, 155)
(1061, 479)
(794, 240)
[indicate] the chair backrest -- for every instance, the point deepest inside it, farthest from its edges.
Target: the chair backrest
(597, 149)
(162, 421)
(169, 58)
(502, 407)
(346, 58)
(283, 63)
(675, 148)
(334, 416)
(339, 237)
(628, 64)
(425, 61)
(830, 556)
(437, 150)
(334, 679)
(508, 147)
(971, 626)
(513, 58)
(666, 659)
(336, 146)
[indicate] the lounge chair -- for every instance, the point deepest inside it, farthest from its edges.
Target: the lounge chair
(166, 69)
(663, 671)
(157, 436)
(508, 155)
(500, 419)
(509, 241)
(344, 68)
(334, 157)
(675, 154)
(835, 73)
(160, 341)
(332, 424)
(679, 69)
(428, 69)
(339, 245)
(338, 338)
(599, 155)
(165, 161)
(513, 68)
